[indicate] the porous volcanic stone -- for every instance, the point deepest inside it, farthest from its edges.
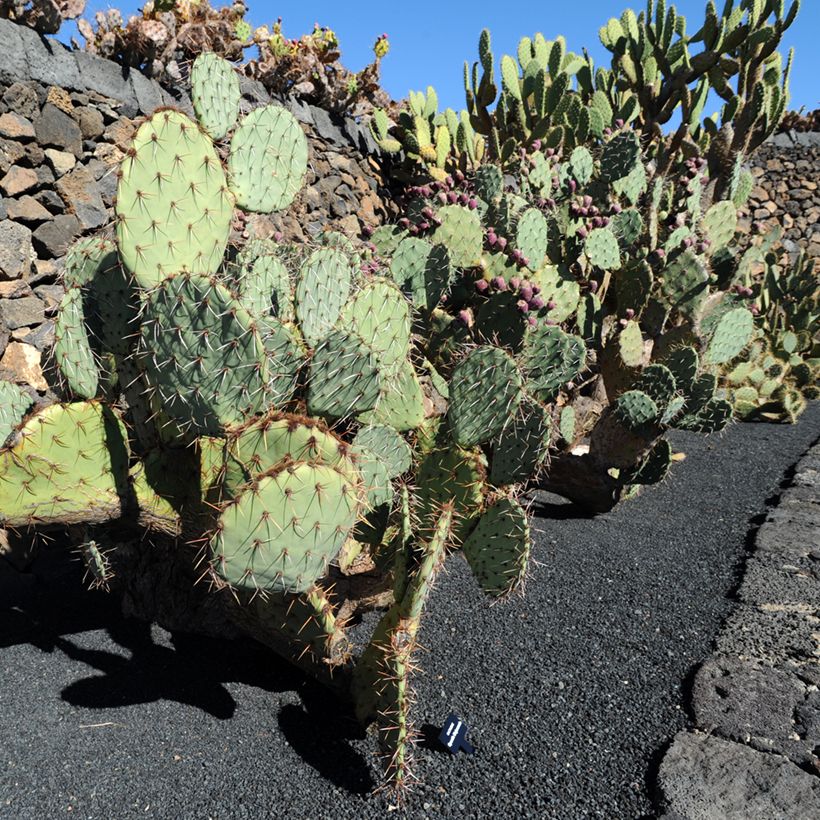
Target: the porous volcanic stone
(706, 778)
(25, 312)
(53, 238)
(54, 128)
(18, 180)
(16, 251)
(16, 127)
(21, 364)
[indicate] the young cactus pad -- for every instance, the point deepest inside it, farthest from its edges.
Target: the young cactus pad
(215, 94)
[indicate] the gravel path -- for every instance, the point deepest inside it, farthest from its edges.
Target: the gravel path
(572, 693)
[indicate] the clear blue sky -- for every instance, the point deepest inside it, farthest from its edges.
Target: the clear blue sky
(430, 41)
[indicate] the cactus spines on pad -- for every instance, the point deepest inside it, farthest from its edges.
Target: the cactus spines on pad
(498, 549)
(732, 333)
(267, 160)
(202, 355)
(520, 449)
(173, 206)
(485, 391)
(636, 410)
(69, 465)
(344, 377)
(72, 349)
(601, 248)
(14, 403)
(550, 358)
(388, 445)
(460, 232)
(215, 94)
(322, 290)
(281, 532)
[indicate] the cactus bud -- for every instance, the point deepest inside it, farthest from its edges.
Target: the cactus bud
(522, 306)
(536, 303)
(629, 313)
(500, 283)
(482, 285)
(515, 283)
(502, 242)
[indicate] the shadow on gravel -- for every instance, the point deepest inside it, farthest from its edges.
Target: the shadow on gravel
(318, 730)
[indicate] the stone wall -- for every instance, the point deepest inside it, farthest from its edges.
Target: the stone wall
(787, 175)
(65, 120)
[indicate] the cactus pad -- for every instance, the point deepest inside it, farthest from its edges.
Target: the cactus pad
(635, 410)
(321, 292)
(733, 332)
(401, 401)
(173, 207)
(202, 354)
(531, 237)
(630, 344)
(620, 156)
(521, 448)
(282, 532)
(393, 450)
(658, 383)
(498, 549)
(460, 233)
(550, 359)
(601, 248)
(268, 160)
(344, 378)
(485, 391)
(14, 404)
(422, 270)
(558, 285)
(215, 94)
(264, 288)
(719, 224)
(72, 350)
(69, 466)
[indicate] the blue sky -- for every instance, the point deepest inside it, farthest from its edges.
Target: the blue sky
(430, 41)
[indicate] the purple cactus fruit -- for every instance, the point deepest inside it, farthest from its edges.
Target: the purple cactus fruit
(414, 230)
(551, 322)
(525, 292)
(616, 208)
(368, 230)
(515, 283)
(581, 233)
(452, 197)
(593, 285)
(427, 212)
(536, 290)
(536, 303)
(450, 181)
(550, 152)
(441, 197)
(459, 175)
(482, 285)
(516, 254)
(423, 226)
(491, 238)
(619, 123)
(703, 246)
(629, 313)
(500, 283)
(587, 200)
(607, 132)
(523, 306)
(404, 222)
(660, 253)
(551, 305)
(463, 199)
(755, 309)
(278, 236)
(502, 242)
(472, 204)
(573, 185)
(604, 221)
(465, 317)
(533, 321)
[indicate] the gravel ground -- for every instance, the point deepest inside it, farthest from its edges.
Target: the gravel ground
(572, 693)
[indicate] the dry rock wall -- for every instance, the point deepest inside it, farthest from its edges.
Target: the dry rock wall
(66, 119)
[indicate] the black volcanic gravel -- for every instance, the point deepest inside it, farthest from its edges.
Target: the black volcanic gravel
(571, 692)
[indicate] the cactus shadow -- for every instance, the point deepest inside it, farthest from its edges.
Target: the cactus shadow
(319, 730)
(192, 671)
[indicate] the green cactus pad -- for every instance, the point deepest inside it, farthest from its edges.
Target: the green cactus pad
(630, 344)
(601, 248)
(499, 322)
(531, 237)
(84, 259)
(380, 313)
(460, 232)
(387, 239)
(581, 165)
(264, 288)
(173, 207)
(711, 418)
(401, 401)
(655, 466)
(718, 225)
(551, 358)
(215, 94)
(391, 448)
(685, 282)
(732, 333)
(628, 226)
(489, 182)
(284, 357)
(590, 319)
(451, 475)
(113, 305)
(69, 466)
(566, 424)
(344, 377)
(268, 160)
(14, 404)
(558, 285)
(684, 364)
(376, 484)
(72, 350)
(620, 156)
(282, 532)
(422, 270)
(321, 292)
(658, 383)
(635, 410)
(633, 287)
(521, 448)
(485, 391)
(202, 354)
(498, 549)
